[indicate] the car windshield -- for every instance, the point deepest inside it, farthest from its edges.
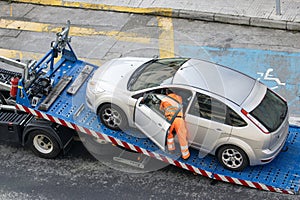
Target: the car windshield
(271, 111)
(154, 73)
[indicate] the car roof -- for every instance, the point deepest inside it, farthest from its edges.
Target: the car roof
(223, 81)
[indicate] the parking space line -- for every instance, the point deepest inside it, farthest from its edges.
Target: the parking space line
(166, 37)
(74, 31)
(11, 10)
(26, 55)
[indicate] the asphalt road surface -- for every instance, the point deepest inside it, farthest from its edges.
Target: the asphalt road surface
(26, 32)
(78, 175)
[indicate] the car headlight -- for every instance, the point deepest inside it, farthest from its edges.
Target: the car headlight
(95, 87)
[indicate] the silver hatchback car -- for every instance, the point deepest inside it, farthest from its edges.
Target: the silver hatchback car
(227, 113)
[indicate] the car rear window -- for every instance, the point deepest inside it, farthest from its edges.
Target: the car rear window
(271, 112)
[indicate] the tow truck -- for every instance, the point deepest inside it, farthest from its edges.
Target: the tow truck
(52, 91)
(45, 138)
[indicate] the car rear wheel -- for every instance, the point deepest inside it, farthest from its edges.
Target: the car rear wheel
(232, 158)
(112, 117)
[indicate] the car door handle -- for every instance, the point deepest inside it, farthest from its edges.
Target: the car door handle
(159, 124)
(219, 130)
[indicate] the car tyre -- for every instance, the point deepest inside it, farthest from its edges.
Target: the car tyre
(43, 144)
(113, 117)
(232, 157)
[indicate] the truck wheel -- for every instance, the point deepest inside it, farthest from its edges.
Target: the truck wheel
(113, 117)
(43, 144)
(232, 158)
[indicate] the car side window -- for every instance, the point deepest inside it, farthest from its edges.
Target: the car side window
(210, 108)
(153, 101)
(234, 119)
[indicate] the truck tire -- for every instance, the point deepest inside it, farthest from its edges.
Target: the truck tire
(43, 144)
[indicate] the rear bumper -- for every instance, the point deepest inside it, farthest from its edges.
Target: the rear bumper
(270, 155)
(265, 156)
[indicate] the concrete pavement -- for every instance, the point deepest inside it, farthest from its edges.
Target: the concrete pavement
(261, 13)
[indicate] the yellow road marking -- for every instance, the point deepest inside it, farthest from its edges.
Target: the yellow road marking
(166, 38)
(161, 11)
(26, 55)
(11, 11)
(74, 31)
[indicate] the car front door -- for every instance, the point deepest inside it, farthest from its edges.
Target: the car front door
(150, 119)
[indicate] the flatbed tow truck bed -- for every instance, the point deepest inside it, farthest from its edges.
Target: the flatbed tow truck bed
(69, 109)
(281, 175)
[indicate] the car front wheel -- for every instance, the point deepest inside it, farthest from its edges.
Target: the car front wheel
(232, 158)
(112, 117)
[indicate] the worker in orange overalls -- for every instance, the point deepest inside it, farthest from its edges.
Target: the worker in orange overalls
(178, 124)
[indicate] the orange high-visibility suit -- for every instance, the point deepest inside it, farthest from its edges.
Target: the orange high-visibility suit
(178, 125)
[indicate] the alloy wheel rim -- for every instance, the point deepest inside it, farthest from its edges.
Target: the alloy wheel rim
(232, 158)
(112, 117)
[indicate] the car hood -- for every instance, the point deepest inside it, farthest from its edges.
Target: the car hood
(117, 71)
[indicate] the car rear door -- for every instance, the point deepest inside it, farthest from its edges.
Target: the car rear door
(206, 122)
(150, 119)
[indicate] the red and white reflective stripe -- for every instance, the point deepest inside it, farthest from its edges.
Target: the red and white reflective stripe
(250, 184)
(144, 151)
(170, 140)
(182, 165)
(185, 151)
(169, 160)
(118, 142)
(105, 137)
(202, 172)
(157, 156)
(171, 144)
(184, 148)
(154, 154)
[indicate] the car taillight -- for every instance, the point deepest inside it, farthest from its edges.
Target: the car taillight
(255, 121)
